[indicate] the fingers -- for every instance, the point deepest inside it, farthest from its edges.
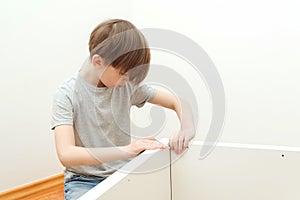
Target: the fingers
(171, 141)
(149, 144)
(178, 143)
(186, 143)
(152, 145)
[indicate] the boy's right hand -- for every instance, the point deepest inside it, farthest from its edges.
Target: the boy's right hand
(143, 144)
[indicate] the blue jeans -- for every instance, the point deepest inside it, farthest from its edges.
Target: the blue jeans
(76, 185)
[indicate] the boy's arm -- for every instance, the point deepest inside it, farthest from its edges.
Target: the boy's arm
(71, 155)
(179, 140)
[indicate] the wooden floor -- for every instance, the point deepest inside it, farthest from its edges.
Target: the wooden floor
(51, 188)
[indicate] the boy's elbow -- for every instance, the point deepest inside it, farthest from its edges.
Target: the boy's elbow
(63, 161)
(65, 158)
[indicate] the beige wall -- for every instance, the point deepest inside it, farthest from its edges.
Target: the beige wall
(252, 44)
(42, 44)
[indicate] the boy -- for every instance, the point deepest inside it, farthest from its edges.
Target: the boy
(91, 110)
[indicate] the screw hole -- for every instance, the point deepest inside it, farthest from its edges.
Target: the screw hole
(282, 155)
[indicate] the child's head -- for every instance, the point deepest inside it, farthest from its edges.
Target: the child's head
(121, 46)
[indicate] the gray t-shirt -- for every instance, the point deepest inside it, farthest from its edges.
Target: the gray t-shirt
(100, 117)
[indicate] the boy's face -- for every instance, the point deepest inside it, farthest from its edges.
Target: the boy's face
(113, 77)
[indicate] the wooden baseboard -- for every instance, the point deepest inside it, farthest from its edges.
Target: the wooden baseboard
(48, 188)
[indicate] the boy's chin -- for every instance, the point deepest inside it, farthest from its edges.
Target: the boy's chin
(119, 85)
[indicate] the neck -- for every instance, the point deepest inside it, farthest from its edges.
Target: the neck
(90, 75)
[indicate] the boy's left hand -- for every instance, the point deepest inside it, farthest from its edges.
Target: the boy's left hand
(179, 141)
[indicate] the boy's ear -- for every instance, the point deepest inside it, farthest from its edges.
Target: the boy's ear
(97, 61)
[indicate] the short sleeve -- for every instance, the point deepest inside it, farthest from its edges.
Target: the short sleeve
(62, 110)
(141, 95)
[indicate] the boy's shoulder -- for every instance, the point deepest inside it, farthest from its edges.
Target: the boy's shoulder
(66, 88)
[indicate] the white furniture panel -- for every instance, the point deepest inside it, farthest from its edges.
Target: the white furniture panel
(235, 172)
(145, 177)
(230, 172)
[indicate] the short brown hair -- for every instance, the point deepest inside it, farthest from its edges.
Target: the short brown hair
(123, 46)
